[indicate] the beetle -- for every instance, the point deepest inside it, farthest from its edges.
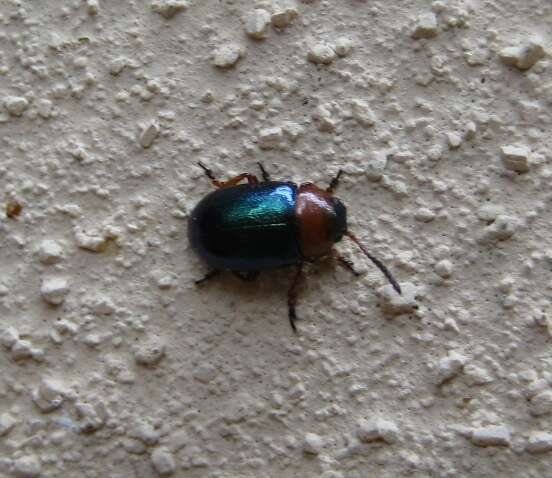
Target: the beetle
(263, 225)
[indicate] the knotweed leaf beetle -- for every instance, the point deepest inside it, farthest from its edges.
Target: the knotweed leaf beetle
(262, 225)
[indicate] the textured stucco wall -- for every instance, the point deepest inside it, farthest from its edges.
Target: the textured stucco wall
(114, 364)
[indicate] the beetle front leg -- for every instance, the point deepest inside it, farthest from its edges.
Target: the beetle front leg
(345, 263)
(292, 296)
(251, 178)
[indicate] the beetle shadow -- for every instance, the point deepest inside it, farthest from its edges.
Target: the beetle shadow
(258, 302)
(265, 285)
(262, 301)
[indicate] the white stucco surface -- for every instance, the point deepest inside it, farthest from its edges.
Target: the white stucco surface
(114, 364)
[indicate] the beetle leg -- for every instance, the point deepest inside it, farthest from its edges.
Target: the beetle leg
(292, 296)
(345, 263)
(207, 276)
(247, 276)
(251, 178)
(266, 176)
(334, 182)
(209, 174)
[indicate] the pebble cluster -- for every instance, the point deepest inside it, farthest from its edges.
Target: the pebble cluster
(114, 364)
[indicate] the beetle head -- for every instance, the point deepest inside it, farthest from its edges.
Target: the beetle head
(322, 220)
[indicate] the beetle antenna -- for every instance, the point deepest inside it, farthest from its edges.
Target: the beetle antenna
(334, 182)
(377, 262)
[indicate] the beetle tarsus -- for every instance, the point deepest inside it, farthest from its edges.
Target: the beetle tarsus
(292, 296)
(345, 263)
(208, 172)
(334, 182)
(292, 318)
(251, 178)
(266, 175)
(207, 276)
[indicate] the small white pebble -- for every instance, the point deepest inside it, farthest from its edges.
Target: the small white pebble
(375, 165)
(450, 324)
(117, 65)
(426, 26)
(169, 8)
(321, 53)
(377, 429)
(491, 436)
(489, 212)
(149, 134)
(450, 366)
(27, 466)
(21, 350)
(49, 395)
(541, 404)
(502, 228)
(65, 326)
(326, 121)
(103, 305)
(93, 7)
(91, 417)
(293, 130)
(163, 461)
(146, 433)
(8, 337)
(15, 105)
(329, 473)
(516, 158)
(91, 242)
(166, 282)
(149, 351)
(394, 303)
(343, 46)
(54, 290)
(362, 113)
(525, 56)
(284, 15)
(313, 444)
(535, 387)
(444, 268)
(270, 138)
(454, 140)
(470, 130)
(50, 252)
(256, 24)
(227, 55)
(539, 442)
(44, 108)
(477, 375)
(424, 214)
(7, 423)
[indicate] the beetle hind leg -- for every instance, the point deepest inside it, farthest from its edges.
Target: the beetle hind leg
(251, 178)
(292, 296)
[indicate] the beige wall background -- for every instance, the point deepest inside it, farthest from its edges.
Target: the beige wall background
(114, 364)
